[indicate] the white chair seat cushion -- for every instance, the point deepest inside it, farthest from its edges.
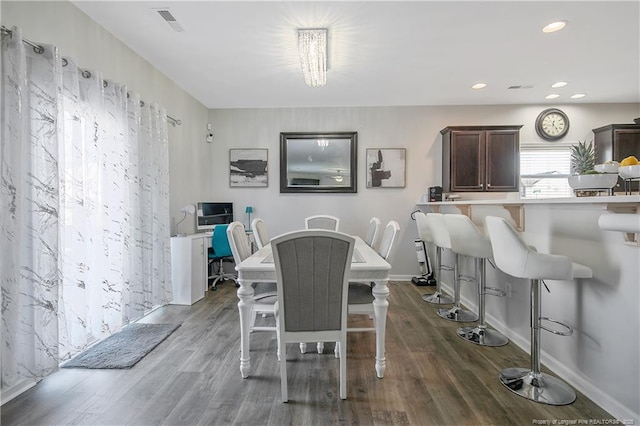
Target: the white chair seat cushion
(360, 294)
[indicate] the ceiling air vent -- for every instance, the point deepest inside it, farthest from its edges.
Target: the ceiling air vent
(520, 87)
(170, 19)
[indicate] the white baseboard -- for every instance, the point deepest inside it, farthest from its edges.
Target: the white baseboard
(401, 277)
(12, 392)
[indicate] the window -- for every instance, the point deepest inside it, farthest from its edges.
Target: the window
(544, 170)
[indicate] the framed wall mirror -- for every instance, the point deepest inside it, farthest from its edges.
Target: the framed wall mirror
(318, 162)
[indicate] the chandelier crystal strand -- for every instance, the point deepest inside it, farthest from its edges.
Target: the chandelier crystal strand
(312, 47)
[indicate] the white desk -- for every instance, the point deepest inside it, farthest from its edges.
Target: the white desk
(372, 267)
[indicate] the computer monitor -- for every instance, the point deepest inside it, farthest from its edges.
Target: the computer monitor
(210, 214)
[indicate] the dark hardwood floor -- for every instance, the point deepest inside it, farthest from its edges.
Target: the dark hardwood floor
(433, 378)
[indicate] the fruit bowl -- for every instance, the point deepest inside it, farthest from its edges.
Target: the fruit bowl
(595, 181)
(629, 172)
(607, 167)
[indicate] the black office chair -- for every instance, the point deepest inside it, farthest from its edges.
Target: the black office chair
(219, 252)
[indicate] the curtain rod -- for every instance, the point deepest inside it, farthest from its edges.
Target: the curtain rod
(36, 47)
(39, 49)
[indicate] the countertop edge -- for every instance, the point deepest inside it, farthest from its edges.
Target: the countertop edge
(619, 199)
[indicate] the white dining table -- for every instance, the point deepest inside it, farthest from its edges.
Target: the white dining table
(366, 266)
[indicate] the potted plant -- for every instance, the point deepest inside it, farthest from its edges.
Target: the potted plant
(583, 158)
(585, 181)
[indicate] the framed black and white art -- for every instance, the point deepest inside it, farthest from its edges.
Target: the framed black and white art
(248, 168)
(386, 167)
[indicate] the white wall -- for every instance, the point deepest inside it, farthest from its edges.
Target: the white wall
(415, 128)
(76, 35)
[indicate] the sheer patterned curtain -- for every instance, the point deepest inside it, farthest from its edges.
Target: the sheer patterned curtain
(85, 198)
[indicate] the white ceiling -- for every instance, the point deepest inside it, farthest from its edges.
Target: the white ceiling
(242, 54)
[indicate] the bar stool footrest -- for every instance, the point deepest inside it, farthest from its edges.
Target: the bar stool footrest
(569, 331)
(467, 278)
(492, 291)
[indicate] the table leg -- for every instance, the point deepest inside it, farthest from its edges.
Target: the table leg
(245, 294)
(380, 306)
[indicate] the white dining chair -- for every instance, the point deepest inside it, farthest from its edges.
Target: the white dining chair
(322, 221)
(372, 232)
(265, 293)
(312, 270)
(260, 234)
(360, 294)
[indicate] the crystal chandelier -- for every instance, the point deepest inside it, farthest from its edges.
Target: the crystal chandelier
(312, 48)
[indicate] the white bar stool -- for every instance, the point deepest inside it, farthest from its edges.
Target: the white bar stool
(467, 240)
(514, 257)
(426, 225)
(442, 240)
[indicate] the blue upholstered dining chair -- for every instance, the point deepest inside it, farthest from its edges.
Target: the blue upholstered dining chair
(219, 252)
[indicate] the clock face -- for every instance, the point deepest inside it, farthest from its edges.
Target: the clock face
(552, 124)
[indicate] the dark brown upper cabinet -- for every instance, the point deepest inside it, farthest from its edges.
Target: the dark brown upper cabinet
(616, 142)
(480, 158)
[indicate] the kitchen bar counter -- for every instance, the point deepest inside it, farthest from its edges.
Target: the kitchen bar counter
(515, 206)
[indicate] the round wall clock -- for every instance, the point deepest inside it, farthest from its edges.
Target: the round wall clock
(552, 124)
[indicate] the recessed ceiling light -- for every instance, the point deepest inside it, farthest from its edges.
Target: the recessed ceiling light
(552, 96)
(578, 96)
(559, 84)
(479, 86)
(554, 26)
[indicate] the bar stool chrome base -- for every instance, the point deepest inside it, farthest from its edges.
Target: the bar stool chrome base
(539, 387)
(437, 298)
(457, 314)
(482, 336)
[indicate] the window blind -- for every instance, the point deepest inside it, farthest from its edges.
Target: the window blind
(544, 171)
